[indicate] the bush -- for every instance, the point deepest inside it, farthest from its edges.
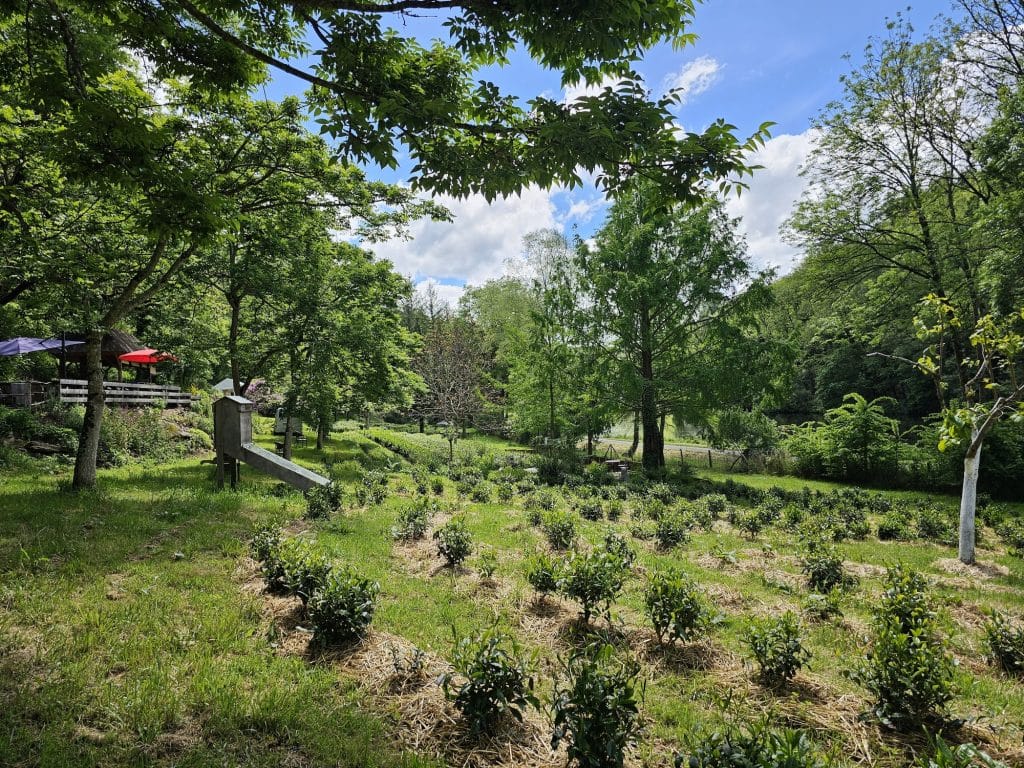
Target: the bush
(1005, 643)
(542, 499)
(1011, 533)
(560, 529)
(619, 547)
(596, 473)
(591, 509)
(675, 606)
(506, 492)
(935, 525)
(543, 573)
(265, 543)
(672, 529)
(822, 606)
(437, 485)
(895, 526)
(596, 708)
(960, 756)
(420, 478)
(615, 509)
(454, 542)
(908, 668)
(372, 488)
(777, 648)
(593, 579)
(823, 567)
(277, 562)
(322, 500)
(305, 571)
(751, 522)
(414, 519)
(342, 606)
(498, 680)
(482, 492)
(756, 747)
(486, 563)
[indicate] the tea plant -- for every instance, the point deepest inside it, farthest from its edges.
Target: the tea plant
(414, 519)
(593, 579)
(306, 570)
(759, 746)
(372, 488)
(342, 606)
(487, 563)
(675, 606)
(823, 567)
(824, 606)
(673, 529)
(908, 667)
(322, 500)
(560, 529)
(591, 509)
(497, 680)
(1005, 643)
(454, 542)
(266, 540)
(777, 647)
(482, 492)
(542, 573)
(596, 708)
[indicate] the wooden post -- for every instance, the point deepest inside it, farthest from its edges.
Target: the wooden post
(710, 466)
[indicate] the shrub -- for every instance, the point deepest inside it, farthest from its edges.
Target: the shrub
(672, 529)
(675, 606)
(615, 509)
(960, 756)
(596, 473)
(454, 542)
(934, 524)
(823, 567)
(716, 503)
(487, 563)
(543, 573)
(596, 708)
(265, 542)
(894, 526)
(757, 747)
(751, 522)
(305, 570)
(542, 498)
(414, 519)
(279, 564)
(342, 606)
(506, 492)
(616, 545)
(322, 500)
(482, 492)
(777, 648)
(1011, 533)
(908, 668)
(1005, 643)
(822, 606)
(437, 485)
(593, 579)
(420, 478)
(498, 680)
(560, 529)
(372, 488)
(591, 509)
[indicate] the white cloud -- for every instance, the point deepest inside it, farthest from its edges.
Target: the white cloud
(694, 78)
(769, 201)
(475, 246)
(580, 89)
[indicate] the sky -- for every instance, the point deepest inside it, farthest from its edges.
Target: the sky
(754, 61)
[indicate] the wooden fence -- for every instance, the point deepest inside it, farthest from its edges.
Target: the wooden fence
(123, 393)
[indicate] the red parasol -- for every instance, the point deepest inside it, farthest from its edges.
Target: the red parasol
(146, 357)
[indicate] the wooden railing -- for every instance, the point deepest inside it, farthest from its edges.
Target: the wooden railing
(123, 393)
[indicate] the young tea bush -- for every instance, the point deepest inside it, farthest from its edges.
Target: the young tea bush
(895, 526)
(454, 542)
(482, 492)
(673, 529)
(542, 573)
(824, 606)
(341, 607)
(675, 606)
(265, 542)
(497, 680)
(908, 667)
(414, 519)
(777, 647)
(757, 747)
(591, 509)
(487, 563)
(823, 566)
(322, 500)
(596, 708)
(372, 488)
(559, 528)
(593, 579)
(1005, 643)
(305, 570)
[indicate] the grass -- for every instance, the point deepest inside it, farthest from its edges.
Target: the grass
(131, 631)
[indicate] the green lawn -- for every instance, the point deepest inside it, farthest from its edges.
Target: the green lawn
(133, 629)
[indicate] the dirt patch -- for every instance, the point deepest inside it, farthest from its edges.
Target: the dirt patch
(677, 657)
(863, 570)
(978, 572)
(725, 597)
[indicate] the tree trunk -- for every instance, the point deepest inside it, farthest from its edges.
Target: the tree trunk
(590, 442)
(654, 441)
(321, 433)
(89, 439)
(636, 435)
(968, 501)
(236, 376)
(551, 408)
(288, 436)
(423, 425)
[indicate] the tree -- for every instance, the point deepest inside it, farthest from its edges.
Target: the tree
(752, 433)
(374, 88)
(672, 307)
(993, 390)
(451, 366)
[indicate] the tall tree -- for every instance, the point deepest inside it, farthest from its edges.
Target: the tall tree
(674, 304)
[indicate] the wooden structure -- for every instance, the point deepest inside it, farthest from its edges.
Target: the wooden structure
(232, 439)
(122, 393)
(23, 394)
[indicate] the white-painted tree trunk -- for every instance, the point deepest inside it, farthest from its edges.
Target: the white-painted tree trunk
(969, 502)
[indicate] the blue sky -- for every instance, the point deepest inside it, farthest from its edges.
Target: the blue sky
(755, 61)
